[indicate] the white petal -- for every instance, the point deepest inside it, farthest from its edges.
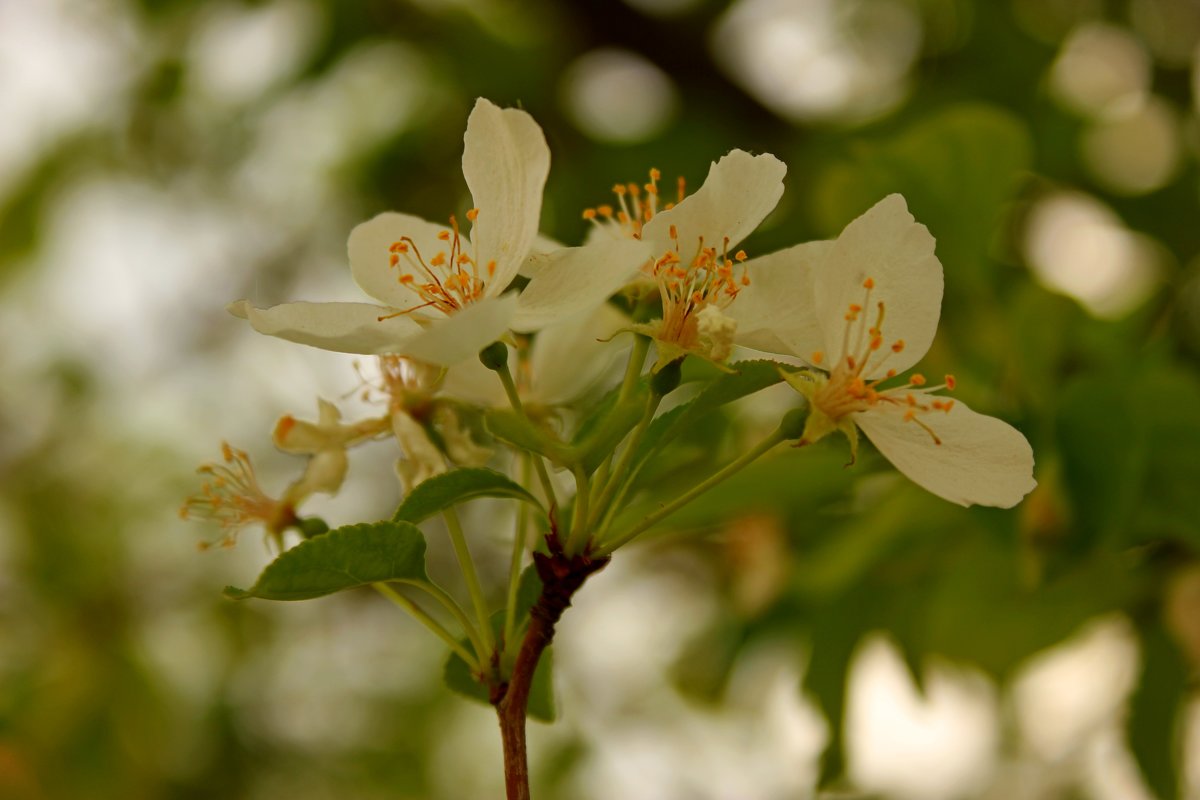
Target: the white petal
(737, 195)
(574, 280)
(422, 460)
(887, 245)
(542, 245)
(449, 340)
(472, 382)
(980, 459)
(505, 163)
(341, 327)
(571, 357)
(370, 259)
(776, 312)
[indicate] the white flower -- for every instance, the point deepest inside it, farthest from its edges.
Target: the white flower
(325, 443)
(440, 288)
(870, 313)
(689, 247)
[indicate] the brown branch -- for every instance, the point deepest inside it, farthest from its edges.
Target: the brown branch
(561, 577)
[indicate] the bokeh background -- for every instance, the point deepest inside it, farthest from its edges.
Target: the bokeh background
(159, 158)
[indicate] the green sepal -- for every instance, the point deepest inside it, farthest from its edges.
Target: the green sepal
(345, 558)
(458, 486)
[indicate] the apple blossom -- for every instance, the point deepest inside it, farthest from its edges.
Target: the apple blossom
(870, 314)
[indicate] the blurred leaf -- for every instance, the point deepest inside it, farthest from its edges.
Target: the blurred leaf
(957, 169)
(458, 486)
(517, 430)
(1129, 446)
(1153, 724)
(982, 612)
(351, 556)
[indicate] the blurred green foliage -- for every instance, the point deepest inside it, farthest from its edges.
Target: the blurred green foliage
(1111, 406)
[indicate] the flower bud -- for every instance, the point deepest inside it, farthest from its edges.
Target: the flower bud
(793, 422)
(666, 380)
(494, 356)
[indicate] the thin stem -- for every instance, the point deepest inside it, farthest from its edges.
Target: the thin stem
(518, 556)
(579, 519)
(621, 474)
(421, 616)
(468, 567)
(633, 371)
(665, 511)
(514, 399)
(456, 611)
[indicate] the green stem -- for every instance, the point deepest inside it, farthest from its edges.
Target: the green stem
(579, 519)
(421, 616)
(633, 371)
(468, 567)
(518, 556)
(456, 611)
(621, 475)
(662, 513)
(514, 399)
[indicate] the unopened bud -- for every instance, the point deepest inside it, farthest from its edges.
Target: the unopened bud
(494, 356)
(666, 380)
(311, 526)
(793, 422)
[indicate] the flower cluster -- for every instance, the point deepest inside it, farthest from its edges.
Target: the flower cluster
(858, 313)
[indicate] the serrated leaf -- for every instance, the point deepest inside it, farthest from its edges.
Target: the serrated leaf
(345, 558)
(451, 488)
(1152, 726)
(517, 430)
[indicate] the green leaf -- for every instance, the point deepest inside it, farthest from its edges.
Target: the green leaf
(1153, 724)
(451, 488)
(351, 556)
(518, 430)
(750, 376)
(606, 430)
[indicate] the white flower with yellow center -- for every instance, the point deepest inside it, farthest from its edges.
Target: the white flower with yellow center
(441, 289)
(863, 309)
(690, 248)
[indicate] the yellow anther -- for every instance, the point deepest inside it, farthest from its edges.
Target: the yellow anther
(951, 383)
(869, 283)
(917, 379)
(910, 415)
(589, 213)
(745, 280)
(654, 174)
(491, 268)
(817, 357)
(876, 342)
(444, 235)
(406, 279)
(394, 259)
(619, 190)
(473, 214)
(897, 345)
(605, 210)
(740, 255)
(673, 232)
(438, 260)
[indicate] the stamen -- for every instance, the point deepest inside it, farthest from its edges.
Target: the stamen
(817, 357)
(951, 382)
(917, 379)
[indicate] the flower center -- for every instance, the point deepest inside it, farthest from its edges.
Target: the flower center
(690, 276)
(847, 391)
(690, 283)
(232, 497)
(635, 206)
(449, 278)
